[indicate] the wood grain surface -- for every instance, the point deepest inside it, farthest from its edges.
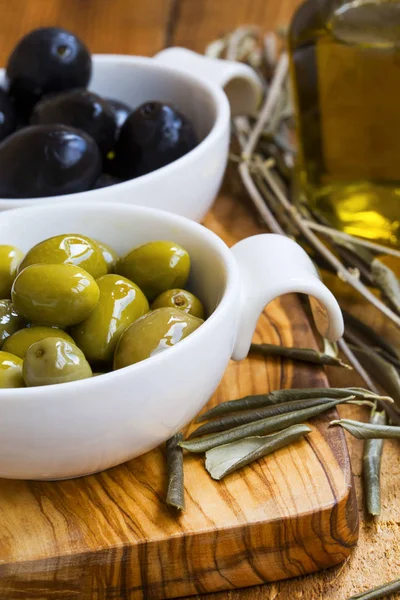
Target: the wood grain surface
(109, 536)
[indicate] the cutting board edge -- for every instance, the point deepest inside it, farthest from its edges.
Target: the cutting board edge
(254, 567)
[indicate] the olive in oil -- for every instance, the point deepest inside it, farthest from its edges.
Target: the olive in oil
(345, 66)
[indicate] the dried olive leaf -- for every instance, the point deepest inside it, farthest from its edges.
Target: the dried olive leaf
(386, 280)
(381, 370)
(372, 458)
(371, 336)
(360, 252)
(241, 418)
(355, 257)
(368, 431)
(281, 396)
(308, 355)
(270, 425)
(175, 493)
(354, 339)
(382, 591)
(224, 460)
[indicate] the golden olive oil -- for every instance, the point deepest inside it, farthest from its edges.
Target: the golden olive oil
(345, 65)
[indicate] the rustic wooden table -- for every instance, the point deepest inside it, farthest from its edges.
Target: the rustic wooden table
(126, 26)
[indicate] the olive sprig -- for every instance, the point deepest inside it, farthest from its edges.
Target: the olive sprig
(265, 165)
(241, 431)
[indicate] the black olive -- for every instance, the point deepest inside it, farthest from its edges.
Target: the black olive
(47, 160)
(105, 180)
(120, 110)
(8, 117)
(153, 136)
(46, 60)
(83, 110)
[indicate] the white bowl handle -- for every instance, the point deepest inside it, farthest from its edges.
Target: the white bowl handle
(271, 265)
(240, 82)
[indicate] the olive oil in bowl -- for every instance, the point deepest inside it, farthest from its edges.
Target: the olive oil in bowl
(345, 65)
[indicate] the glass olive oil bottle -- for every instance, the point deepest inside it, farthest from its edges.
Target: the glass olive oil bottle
(345, 66)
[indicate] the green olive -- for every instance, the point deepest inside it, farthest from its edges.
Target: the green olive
(156, 267)
(121, 303)
(20, 341)
(10, 371)
(60, 295)
(54, 360)
(109, 255)
(71, 249)
(155, 332)
(10, 257)
(10, 320)
(181, 299)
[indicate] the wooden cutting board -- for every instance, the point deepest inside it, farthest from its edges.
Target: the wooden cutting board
(110, 536)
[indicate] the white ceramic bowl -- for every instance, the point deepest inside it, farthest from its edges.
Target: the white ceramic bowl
(194, 84)
(76, 428)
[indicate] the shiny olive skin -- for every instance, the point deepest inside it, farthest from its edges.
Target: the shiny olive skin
(21, 340)
(60, 295)
(156, 267)
(105, 180)
(48, 59)
(8, 116)
(69, 249)
(54, 360)
(10, 320)
(10, 258)
(109, 255)
(10, 371)
(121, 112)
(48, 160)
(155, 332)
(181, 299)
(153, 136)
(121, 303)
(80, 109)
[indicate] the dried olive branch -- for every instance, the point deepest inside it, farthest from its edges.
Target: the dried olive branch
(269, 106)
(345, 273)
(265, 169)
(335, 233)
(248, 148)
(271, 116)
(258, 200)
(260, 427)
(382, 591)
(353, 360)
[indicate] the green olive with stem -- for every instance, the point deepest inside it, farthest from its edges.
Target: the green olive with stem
(180, 299)
(21, 340)
(155, 332)
(54, 360)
